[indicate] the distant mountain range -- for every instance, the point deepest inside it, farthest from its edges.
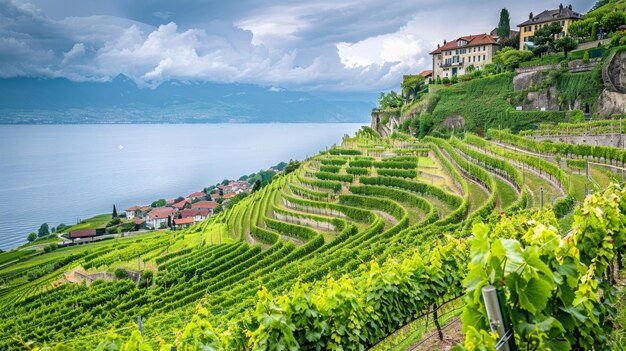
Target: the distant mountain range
(51, 101)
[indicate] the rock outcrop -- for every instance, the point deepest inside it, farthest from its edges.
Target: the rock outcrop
(613, 97)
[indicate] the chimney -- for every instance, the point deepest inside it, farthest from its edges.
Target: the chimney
(444, 42)
(438, 46)
(530, 16)
(570, 6)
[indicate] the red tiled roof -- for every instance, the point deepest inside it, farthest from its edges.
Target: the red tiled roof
(196, 194)
(131, 209)
(180, 204)
(82, 233)
(205, 205)
(169, 202)
(229, 195)
(426, 73)
(145, 208)
(472, 40)
(186, 220)
(138, 220)
(161, 212)
(194, 212)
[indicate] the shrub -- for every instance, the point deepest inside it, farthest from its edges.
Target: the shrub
(577, 116)
(121, 274)
(586, 56)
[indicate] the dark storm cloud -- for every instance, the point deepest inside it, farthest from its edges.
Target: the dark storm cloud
(318, 45)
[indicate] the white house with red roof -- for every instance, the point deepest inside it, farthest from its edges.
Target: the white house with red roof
(205, 205)
(131, 212)
(453, 57)
(197, 215)
(158, 217)
(198, 195)
(184, 222)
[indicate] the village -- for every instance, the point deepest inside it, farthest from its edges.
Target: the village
(174, 214)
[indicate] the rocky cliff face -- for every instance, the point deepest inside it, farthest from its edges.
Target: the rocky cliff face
(613, 97)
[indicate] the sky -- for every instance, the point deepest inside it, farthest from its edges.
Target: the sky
(322, 45)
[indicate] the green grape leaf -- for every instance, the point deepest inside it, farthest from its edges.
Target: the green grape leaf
(534, 296)
(511, 250)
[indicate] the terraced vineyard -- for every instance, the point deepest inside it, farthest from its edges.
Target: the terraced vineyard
(343, 220)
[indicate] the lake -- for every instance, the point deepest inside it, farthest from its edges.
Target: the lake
(64, 173)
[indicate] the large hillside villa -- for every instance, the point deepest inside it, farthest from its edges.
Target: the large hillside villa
(564, 15)
(454, 57)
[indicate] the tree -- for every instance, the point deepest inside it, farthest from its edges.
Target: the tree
(504, 26)
(411, 85)
(225, 182)
(32, 237)
(256, 186)
(114, 215)
(612, 20)
(544, 38)
(581, 30)
(291, 166)
(43, 230)
(566, 44)
(158, 203)
(510, 59)
(390, 100)
(510, 42)
(218, 209)
(426, 124)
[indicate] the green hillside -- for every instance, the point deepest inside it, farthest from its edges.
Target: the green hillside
(356, 243)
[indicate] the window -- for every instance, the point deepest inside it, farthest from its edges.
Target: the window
(484, 57)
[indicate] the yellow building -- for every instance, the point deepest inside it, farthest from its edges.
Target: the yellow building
(564, 15)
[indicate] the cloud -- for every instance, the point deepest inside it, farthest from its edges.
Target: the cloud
(77, 51)
(364, 45)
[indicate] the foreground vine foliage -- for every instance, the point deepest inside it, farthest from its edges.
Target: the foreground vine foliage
(558, 288)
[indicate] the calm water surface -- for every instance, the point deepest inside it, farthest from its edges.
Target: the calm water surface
(63, 173)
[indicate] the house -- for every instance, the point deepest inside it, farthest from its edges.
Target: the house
(564, 15)
(205, 205)
(198, 195)
(82, 233)
(454, 57)
(512, 34)
(131, 212)
(427, 74)
(139, 223)
(184, 222)
(234, 186)
(159, 217)
(181, 205)
(198, 215)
